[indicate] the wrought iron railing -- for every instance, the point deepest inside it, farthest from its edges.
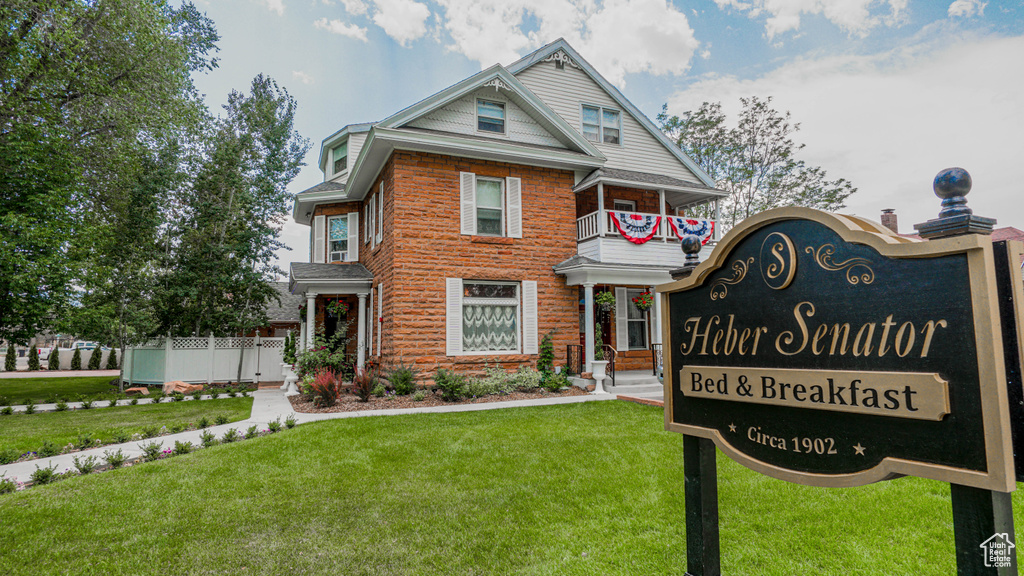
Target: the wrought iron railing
(609, 355)
(656, 360)
(574, 359)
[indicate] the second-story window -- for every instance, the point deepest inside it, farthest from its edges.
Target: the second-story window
(490, 116)
(337, 242)
(490, 204)
(339, 155)
(601, 124)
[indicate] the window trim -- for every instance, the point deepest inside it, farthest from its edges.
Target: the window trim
(645, 318)
(632, 204)
(600, 123)
(504, 115)
(327, 236)
(519, 314)
(502, 205)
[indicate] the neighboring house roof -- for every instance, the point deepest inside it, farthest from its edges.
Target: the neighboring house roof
(561, 45)
(1007, 233)
(287, 310)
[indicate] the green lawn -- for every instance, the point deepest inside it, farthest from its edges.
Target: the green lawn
(25, 432)
(17, 390)
(594, 488)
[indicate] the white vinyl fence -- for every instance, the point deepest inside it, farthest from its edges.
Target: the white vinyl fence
(205, 360)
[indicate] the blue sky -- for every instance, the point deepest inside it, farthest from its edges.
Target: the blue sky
(888, 92)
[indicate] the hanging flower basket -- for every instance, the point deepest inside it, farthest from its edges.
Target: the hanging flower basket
(337, 308)
(644, 301)
(302, 312)
(605, 301)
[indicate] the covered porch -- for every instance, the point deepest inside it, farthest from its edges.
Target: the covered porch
(633, 334)
(326, 290)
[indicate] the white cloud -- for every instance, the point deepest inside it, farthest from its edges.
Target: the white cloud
(339, 27)
(403, 20)
(302, 77)
(967, 8)
(890, 122)
(617, 36)
(853, 16)
(275, 6)
(355, 7)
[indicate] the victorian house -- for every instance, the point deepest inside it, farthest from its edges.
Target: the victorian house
(464, 228)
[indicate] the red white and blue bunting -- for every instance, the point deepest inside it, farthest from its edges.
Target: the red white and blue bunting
(703, 229)
(637, 228)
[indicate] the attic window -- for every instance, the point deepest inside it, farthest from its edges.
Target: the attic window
(339, 155)
(490, 116)
(601, 124)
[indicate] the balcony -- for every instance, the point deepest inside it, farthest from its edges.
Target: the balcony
(598, 239)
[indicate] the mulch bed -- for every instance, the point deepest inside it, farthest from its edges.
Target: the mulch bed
(349, 403)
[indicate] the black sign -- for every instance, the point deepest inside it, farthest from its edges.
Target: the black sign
(824, 350)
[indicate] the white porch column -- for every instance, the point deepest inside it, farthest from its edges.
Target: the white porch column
(718, 221)
(665, 228)
(588, 319)
(302, 335)
(602, 218)
(361, 331)
(656, 320)
(310, 318)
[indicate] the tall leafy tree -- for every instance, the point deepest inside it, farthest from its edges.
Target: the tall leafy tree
(755, 160)
(82, 82)
(221, 248)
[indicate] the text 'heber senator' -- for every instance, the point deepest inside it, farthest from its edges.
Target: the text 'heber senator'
(718, 336)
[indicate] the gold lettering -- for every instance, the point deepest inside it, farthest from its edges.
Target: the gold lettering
(882, 348)
(929, 330)
(757, 339)
(789, 337)
(743, 340)
(866, 350)
(899, 339)
(835, 339)
(820, 333)
(731, 336)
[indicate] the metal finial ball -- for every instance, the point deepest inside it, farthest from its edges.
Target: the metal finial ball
(952, 182)
(691, 244)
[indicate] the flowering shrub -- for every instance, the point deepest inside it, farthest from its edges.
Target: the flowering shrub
(322, 389)
(319, 356)
(363, 384)
(644, 301)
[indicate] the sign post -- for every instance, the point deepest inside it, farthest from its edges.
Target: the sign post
(828, 351)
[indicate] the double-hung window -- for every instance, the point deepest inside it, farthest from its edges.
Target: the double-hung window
(636, 321)
(490, 116)
(490, 202)
(601, 124)
(339, 155)
(337, 241)
(490, 317)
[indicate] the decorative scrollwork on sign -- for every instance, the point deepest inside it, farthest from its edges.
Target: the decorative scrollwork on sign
(740, 268)
(823, 256)
(560, 57)
(497, 83)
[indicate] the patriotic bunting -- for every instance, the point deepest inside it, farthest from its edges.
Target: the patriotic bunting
(637, 228)
(700, 228)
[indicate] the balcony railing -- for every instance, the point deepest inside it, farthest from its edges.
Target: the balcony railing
(593, 225)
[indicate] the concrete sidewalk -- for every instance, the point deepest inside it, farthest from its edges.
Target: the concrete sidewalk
(267, 406)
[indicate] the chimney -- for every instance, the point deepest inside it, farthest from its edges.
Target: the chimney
(889, 220)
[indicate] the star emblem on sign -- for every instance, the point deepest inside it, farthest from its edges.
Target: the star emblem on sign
(859, 449)
(732, 427)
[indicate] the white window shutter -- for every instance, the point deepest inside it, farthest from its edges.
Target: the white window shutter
(366, 221)
(319, 238)
(380, 214)
(514, 199)
(529, 316)
(453, 319)
(373, 221)
(372, 321)
(621, 319)
(467, 199)
(353, 236)
(380, 314)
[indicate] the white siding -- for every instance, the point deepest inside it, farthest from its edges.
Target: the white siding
(565, 90)
(459, 116)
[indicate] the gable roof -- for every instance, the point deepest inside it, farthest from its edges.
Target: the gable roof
(500, 78)
(551, 50)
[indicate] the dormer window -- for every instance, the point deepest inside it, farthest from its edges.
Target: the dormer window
(601, 124)
(490, 116)
(339, 155)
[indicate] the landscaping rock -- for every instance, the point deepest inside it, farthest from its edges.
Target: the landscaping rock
(138, 390)
(182, 387)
